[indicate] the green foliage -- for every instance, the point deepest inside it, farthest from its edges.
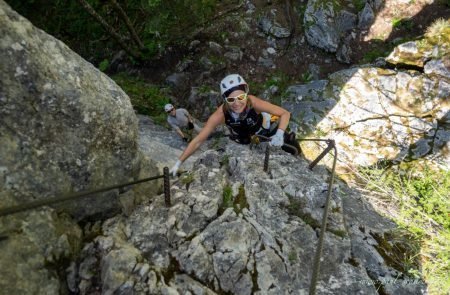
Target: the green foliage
(402, 23)
(444, 2)
(69, 22)
(241, 200)
(238, 203)
(421, 196)
(227, 197)
(103, 66)
(438, 33)
(170, 21)
(296, 208)
(307, 77)
(158, 23)
(359, 4)
(320, 133)
(187, 178)
(400, 250)
(279, 79)
(373, 54)
(225, 161)
(301, 12)
(146, 99)
(292, 256)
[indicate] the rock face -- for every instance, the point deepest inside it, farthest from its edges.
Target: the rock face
(241, 230)
(64, 125)
(232, 228)
(153, 139)
(327, 23)
(34, 248)
(377, 114)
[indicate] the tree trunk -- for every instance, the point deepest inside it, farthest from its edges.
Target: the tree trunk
(109, 29)
(127, 21)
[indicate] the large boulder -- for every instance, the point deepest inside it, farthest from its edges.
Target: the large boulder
(432, 50)
(64, 126)
(377, 114)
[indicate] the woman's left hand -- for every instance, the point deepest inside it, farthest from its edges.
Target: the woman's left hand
(278, 138)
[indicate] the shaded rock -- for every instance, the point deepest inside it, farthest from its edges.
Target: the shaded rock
(366, 17)
(438, 67)
(177, 81)
(65, 127)
(233, 53)
(319, 24)
(36, 243)
(153, 139)
(345, 21)
(307, 106)
(266, 62)
(272, 29)
(60, 136)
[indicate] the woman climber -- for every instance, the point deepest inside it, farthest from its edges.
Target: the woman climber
(245, 115)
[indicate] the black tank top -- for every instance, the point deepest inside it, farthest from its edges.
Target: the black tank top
(245, 126)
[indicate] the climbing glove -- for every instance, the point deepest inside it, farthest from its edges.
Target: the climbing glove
(278, 138)
(185, 139)
(175, 168)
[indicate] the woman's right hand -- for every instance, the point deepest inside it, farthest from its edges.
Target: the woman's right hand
(175, 168)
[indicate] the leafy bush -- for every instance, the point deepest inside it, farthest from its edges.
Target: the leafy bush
(359, 4)
(439, 32)
(146, 99)
(103, 66)
(373, 54)
(158, 23)
(421, 196)
(402, 23)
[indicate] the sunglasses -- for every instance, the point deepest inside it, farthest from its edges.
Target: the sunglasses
(240, 97)
(169, 111)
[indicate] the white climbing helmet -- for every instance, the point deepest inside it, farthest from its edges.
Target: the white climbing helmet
(231, 83)
(168, 107)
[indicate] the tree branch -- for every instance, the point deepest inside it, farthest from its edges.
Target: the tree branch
(128, 23)
(110, 30)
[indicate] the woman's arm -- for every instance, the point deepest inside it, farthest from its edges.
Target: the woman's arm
(214, 120)
(263, 106)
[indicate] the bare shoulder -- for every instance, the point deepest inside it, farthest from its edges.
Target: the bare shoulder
(216, 118)
(261, 105)
(257, 102)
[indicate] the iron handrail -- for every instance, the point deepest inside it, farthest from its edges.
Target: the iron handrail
(331, 145)
(49, 201)
(316, 264)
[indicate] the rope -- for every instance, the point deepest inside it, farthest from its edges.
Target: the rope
(39, 203)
